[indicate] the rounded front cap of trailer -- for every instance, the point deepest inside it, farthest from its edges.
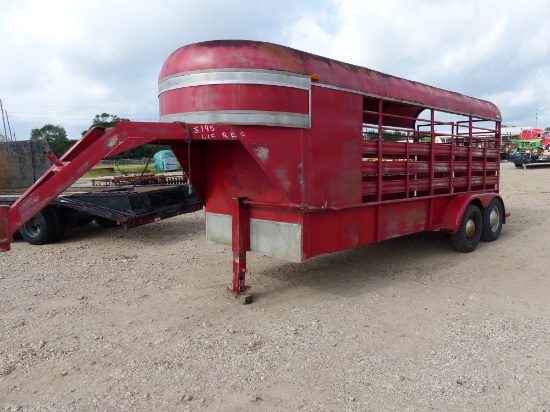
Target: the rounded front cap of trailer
(235, 62)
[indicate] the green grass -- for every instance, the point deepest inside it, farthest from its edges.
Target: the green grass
(102, 170)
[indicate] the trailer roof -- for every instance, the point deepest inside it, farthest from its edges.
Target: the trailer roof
(255, 55)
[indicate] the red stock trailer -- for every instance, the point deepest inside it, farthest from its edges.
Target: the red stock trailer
(295, 155)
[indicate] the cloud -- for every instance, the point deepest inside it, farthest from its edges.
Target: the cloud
(65, 61)
(496, 50)
(103, 56)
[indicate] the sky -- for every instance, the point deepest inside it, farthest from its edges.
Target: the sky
(64, 61)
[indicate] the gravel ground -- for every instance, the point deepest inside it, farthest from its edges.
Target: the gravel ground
(138, 320)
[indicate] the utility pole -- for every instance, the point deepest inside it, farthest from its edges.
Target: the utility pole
(3, 120)
(9, 127)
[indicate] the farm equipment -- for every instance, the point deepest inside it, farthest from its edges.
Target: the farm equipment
(529, 148)
(539, 138)
(295, 155)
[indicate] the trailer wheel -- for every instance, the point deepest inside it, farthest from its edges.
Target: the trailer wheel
(40, 229)
(60, 223)
(469, 233)
(492, 221)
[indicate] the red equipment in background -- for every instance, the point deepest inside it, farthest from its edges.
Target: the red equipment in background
(295, 155)
(531, 133)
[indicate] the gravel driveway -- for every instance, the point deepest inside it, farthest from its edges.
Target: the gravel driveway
(138, 320)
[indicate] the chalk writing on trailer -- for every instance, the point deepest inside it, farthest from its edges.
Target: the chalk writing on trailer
(208, 132)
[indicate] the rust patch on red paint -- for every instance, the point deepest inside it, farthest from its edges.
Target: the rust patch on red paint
(413, 221)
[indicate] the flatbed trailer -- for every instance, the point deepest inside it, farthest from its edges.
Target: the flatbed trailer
(530, 159)
(295, 155)
(129, 202)
(128, 207)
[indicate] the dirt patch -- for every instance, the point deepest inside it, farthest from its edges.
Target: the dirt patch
(137, 320)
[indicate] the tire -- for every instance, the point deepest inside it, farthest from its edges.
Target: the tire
(105, 223)
(493, 216)
(518, 165)
(548, 148)
(60, 222)
(469, 233)
(41, 229)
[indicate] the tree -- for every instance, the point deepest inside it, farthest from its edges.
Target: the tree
(56, 137)
(110, 120)
(3, 138)
(106, 120)
(386, 135)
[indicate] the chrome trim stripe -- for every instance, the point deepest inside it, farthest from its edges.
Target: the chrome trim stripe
(234, 76)
(241, 117)
(277, 239)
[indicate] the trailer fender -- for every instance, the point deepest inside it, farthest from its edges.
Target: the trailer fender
(452, 215)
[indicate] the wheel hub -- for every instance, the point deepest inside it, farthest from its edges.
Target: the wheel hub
(470, 228)
(33, 227)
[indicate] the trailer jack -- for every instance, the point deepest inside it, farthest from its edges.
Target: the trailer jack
(240, 245)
